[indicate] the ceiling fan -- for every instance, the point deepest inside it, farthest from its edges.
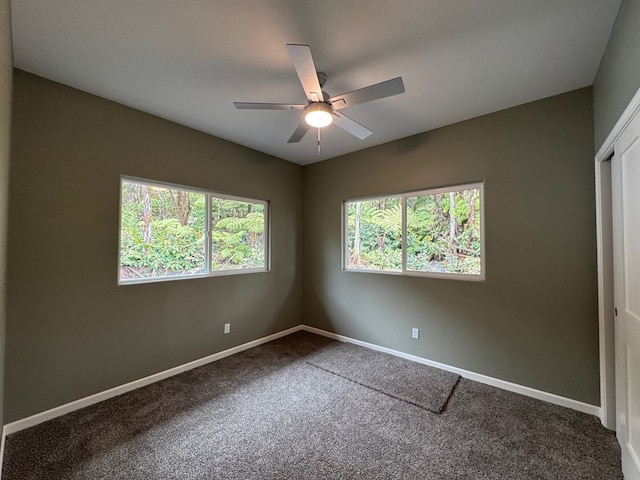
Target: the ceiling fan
(321, 109)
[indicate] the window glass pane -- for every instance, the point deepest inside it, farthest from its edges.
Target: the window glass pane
(238, 234)
(374, 234)
(162, 232)
(443, 232)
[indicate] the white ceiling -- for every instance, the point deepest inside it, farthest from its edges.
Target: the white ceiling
(189, 60)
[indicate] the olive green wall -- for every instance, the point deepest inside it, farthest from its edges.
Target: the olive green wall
(6, 67)
(618, 77)
(72, 331)
(534, 321)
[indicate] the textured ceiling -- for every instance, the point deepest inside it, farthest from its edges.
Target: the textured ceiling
(189, 60)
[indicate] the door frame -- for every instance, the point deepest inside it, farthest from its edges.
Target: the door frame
(604, 239)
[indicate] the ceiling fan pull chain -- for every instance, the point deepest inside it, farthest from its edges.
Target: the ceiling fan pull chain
(318, 141)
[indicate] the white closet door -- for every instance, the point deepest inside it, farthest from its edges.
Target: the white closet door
(626, 239)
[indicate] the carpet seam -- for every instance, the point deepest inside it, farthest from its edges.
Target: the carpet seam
(453, 389)
(437, 412)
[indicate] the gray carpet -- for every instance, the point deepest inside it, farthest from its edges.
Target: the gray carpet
(411, 382)
(267, 414)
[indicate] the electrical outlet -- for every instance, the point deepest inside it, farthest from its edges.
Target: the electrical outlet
(415, 333)
(227, 327)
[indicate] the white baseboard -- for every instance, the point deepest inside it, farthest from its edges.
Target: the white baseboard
(42, 417)
(127, 387)
(494, 382)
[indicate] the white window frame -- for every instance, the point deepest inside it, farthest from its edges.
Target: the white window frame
(417, 273)
(209, 195)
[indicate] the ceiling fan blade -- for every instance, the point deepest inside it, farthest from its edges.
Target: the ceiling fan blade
(306, 70)
(350, 125)
(300, 132)
(267, 106)
(389, 88)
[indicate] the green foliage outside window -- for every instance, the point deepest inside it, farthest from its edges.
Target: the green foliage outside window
(163, 232)
(441, 238)
(238, 234)
(443, 233)
(375, 234)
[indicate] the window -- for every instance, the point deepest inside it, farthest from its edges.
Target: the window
(171, 232)
(436, 232)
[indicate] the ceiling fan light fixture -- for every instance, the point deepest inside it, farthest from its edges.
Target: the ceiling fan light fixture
(319, 115)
